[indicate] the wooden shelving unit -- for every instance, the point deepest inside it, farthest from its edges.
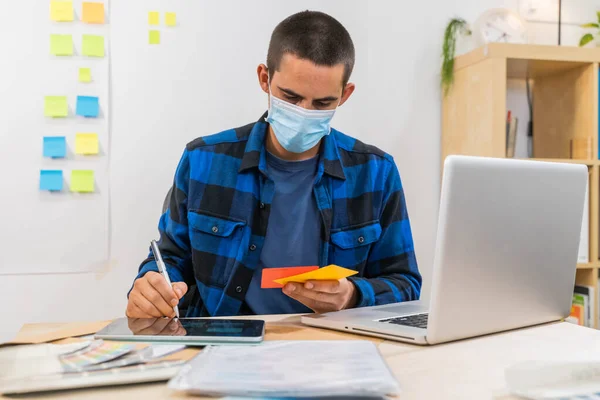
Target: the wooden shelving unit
(564, 83)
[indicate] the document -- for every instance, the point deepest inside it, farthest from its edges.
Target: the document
(319, 368)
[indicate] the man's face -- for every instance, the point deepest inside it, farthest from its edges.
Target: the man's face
(305, 84)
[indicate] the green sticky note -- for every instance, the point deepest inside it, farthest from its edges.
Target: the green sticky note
(153, 18)
(154, 37)
(61, 45)
(85, 75)
(93, 45)
(82, 181)
(56, 106)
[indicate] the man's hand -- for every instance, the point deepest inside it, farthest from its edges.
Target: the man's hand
(323, 296)
(152, 297)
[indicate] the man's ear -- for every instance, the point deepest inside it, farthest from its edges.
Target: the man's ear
(263, 77)
(347, 92)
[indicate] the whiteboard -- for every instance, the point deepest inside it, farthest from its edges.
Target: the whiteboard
(50, 231)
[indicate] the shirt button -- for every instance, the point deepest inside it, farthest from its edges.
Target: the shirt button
(262, 205)
(238, 289)
(215, 229)
(361, 239)
(252, 247)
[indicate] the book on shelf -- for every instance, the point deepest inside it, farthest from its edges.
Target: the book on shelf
(578, 309)
(583, 307)
(512, 124)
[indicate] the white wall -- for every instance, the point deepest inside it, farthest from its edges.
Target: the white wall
(155, 110)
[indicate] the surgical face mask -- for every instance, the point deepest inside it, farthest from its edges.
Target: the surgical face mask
(298, 129)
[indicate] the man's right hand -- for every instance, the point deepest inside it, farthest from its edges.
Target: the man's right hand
(152, 297)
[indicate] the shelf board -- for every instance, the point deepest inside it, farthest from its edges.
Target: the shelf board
(531, 60)
(588, 265)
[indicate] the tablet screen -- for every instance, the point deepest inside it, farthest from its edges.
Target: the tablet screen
(207, 328)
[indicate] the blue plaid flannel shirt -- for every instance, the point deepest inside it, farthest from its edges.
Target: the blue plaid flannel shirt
(213, 231)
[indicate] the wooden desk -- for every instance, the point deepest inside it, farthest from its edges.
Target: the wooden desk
(468, 369)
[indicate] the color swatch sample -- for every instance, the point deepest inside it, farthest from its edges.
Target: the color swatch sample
(107, 351)
(51, 180)
(92, 45)
(170, 19)
(61, 11)
(85, 75)
(153, 18)
(93, 13)
(86, 143)
(56, 106)
(328, 273)
(55, 146)
(61, 45)
(82, 181)
(269, 275)
(87, 106)
(154, 37)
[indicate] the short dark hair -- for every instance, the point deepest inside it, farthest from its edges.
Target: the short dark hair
(313, 36)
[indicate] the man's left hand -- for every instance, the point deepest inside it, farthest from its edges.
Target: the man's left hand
(323, 296)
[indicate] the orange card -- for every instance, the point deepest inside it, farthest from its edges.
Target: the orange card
(270, 274)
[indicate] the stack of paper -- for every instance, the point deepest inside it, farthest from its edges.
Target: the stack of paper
(42, 367)
(346, 369)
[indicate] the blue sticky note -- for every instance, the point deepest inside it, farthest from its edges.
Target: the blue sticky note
(87, 106)
(51, 180)
(55, 146)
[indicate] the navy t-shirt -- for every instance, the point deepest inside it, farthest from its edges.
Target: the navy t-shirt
(293, 232)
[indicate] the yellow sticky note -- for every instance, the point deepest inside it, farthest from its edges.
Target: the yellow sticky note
(154, 37)
(61, 11)
(56, 106)
(328, 273)
(86, 143)
(61, 45)
(153, 18)
(93, 13)
(82, 180)
(170, 19)
(85, 75)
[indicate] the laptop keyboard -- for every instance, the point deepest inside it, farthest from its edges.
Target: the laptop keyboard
(417, 320)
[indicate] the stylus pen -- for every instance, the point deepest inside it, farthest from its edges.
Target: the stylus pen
(162, 268)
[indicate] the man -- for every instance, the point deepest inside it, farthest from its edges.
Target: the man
(287, 190)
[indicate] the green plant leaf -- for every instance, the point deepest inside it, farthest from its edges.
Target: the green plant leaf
(590, 25)
(598, 14)
(585, 39)
(454, 27)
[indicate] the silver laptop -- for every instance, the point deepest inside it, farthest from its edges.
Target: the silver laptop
(505, 257)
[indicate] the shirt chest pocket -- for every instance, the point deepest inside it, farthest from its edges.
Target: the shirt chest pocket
(351, 245)
(216, 246)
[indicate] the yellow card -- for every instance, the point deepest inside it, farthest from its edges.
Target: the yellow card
(61, 11)
(328, 273)
(93, 13)
(85, 75)
(170, 19)
(61, 45)
(93, 45)
(153, 18)
(56, 106)
(86, 143)
(82, 180)
(154, 37)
